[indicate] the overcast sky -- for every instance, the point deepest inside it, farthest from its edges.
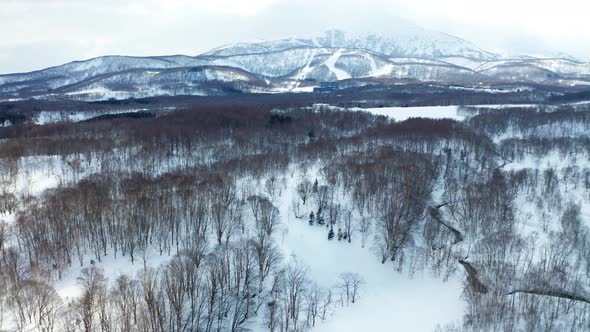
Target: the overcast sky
(35, 34)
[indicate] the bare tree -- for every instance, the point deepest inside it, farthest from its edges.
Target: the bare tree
(304, 190)
(92, 282)
(364, 227)
(152, 302)
(326, 304)
(296, 283)
(334, 211)
(271, 187)
(175, 285)
(403, 208)
(571, 221)
(35, 303)
(124, 296)
(3, 234)
(3, 297)
(14, 265)
(272, 314)
(225, 210)
(317, 304)
(350, 286)
(321, 196)
(349, 226)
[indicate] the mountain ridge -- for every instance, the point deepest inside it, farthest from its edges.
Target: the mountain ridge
(293, 64)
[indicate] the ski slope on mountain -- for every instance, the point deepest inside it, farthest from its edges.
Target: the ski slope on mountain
(331, 64)
(405, 53)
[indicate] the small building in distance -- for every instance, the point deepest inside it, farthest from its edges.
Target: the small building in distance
(326, 87)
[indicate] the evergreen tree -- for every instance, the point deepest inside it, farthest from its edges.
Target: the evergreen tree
(319, 218)
(315, 186)
(331, 233)
(339, 234)
(311, 135)
(311, 219)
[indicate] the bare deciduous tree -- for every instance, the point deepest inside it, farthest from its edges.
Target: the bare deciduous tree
(304, 190)
(92, 282)
(350, 287)
(124, 297)
(364, 227)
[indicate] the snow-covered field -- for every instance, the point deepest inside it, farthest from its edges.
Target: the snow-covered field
(46, 117)
(438, 112)
(404, 113)
(390, 298)
(68, 287)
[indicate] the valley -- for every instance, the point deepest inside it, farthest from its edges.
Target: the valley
(383, 178)
(267, 213)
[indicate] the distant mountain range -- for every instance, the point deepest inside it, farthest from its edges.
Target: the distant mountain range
(295, 65)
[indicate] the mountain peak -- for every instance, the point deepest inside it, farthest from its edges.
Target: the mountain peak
(405, 52)
(407, 41)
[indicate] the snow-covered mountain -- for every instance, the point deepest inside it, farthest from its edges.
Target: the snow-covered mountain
(411, 54)
(409, 42)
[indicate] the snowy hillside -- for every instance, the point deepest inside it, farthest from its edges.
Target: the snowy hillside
(410, 53)
(409, 41)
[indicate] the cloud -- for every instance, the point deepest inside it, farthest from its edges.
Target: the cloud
(26, 57)
(39, 33)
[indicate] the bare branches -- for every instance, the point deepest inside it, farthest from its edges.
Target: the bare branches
(304, 190)
(351, 284)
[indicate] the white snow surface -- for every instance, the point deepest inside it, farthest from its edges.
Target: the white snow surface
(404, 113)
(46, 117)
(331, 64)
(389, 299)
(68, 287)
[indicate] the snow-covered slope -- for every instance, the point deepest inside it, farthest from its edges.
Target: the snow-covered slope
(410, 53)
(205, 80)
(409, 41)
(79, 70)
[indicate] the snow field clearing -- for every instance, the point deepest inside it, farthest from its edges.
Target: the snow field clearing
(68, 287)
(389, 298)
(47, 117)
(438, 112)
(404, 113)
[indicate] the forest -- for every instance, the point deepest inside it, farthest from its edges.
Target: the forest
(200, 199)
